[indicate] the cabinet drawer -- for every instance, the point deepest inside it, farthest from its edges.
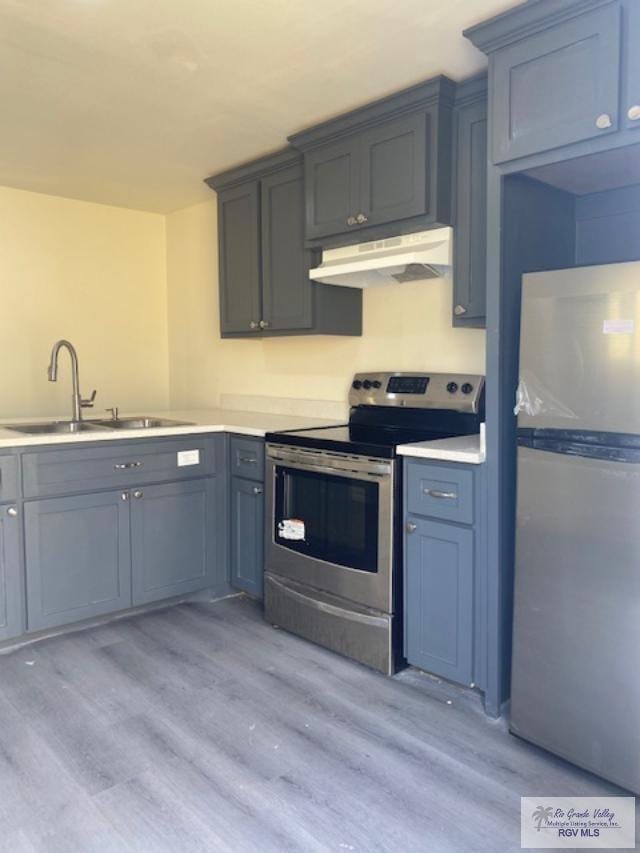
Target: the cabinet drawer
(8, 478)
(122, 464)
(440, 492)
(247, 458)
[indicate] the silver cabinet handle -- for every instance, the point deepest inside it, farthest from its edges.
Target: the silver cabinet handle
(351, 220)
(634, 113)
(459, 310)
(603, 121)
(257, 490)
(247, 460)
(264, 324)
(361, 218)
(138, 494)
(411, 527)
(124, 466)
(436, 493)
(124, 496)
(12, 511)
(253, 325)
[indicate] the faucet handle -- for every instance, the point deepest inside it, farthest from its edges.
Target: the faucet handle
(114, 412)
(88, 404)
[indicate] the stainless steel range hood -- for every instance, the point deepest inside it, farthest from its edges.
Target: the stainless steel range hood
(427, 254)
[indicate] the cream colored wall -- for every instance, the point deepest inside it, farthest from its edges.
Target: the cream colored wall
(91, 273)
(406, 327)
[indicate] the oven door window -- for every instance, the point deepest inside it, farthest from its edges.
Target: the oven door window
(327, 517)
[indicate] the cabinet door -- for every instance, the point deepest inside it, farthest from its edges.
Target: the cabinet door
(239, 246)
(470, 241)
(439, 599)
(77, 558)
(247, 536)
(10, 587)
(286, 288)
(631, 81)
(394, 170)
(558, 87)
(331, 174)
(172, 539)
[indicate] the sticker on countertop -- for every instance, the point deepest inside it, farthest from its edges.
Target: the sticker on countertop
(188, 457)
(291, 528)
(618, 327)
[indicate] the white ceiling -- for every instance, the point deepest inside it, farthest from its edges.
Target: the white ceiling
(134, 102)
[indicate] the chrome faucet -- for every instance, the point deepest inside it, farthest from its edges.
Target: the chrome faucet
(52, 372)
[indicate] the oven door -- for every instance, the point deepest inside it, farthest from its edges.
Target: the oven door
(330, 523)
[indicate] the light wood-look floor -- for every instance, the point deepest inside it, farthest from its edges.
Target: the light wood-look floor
(201, 728)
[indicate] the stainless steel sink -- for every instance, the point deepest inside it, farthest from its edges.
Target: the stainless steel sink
(55, 428)
(141, 423)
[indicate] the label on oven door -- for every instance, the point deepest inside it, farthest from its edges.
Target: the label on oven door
(291, 528)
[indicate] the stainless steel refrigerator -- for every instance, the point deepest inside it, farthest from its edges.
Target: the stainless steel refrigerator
(576, 656)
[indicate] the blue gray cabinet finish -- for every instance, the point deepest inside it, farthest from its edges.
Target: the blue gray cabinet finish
(439, 602)
(173, 539)
(118, 464)
(239, 248)
(247, 535)
(247, 458)
(382, 169)
(631, 72)
(78, 561)
(470, 240)
(265, 288)
(8, 478)
(440, 491)
(11, 604)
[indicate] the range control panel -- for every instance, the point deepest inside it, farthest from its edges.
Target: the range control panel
(456, 391)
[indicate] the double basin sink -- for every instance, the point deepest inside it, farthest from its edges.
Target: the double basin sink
(73, 427)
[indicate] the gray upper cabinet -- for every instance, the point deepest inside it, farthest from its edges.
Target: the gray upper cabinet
(558, 87)
(11, 608)
(264, 265)
(631, 78)
(286, 294)
(382, 169)
(332, 184)
(239, 246)
(77, 558)
(173, 545)
(470, 242)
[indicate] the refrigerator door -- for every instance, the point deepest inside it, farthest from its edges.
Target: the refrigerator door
(576, 656)
(580, 349)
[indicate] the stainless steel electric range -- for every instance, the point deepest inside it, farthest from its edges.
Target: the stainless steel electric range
(333, 544)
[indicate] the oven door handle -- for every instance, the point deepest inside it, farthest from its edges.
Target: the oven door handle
(380, 472)
(332, 609)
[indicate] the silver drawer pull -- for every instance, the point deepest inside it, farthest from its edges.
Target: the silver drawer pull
(436, 493)
(12, 512)
(124, 466)
(257, 490)
(247, 460)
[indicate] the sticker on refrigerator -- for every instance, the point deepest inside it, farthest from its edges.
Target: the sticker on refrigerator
(291, 528)
(618, 327)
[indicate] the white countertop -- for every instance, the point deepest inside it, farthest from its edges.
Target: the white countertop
(201, 421)
(465, 448)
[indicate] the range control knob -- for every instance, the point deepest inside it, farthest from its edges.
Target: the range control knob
(467, 388)
(376, 383)
(366, 384)
(452, 387)
(356, 385)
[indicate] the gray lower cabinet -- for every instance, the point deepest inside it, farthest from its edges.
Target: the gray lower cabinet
(247, 535)
(439, 616)
(470, 240)
(78, 558)
(11, 607)
(444, 570)
(173, 539)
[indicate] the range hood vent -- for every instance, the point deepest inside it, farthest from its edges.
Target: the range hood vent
(411, 257)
